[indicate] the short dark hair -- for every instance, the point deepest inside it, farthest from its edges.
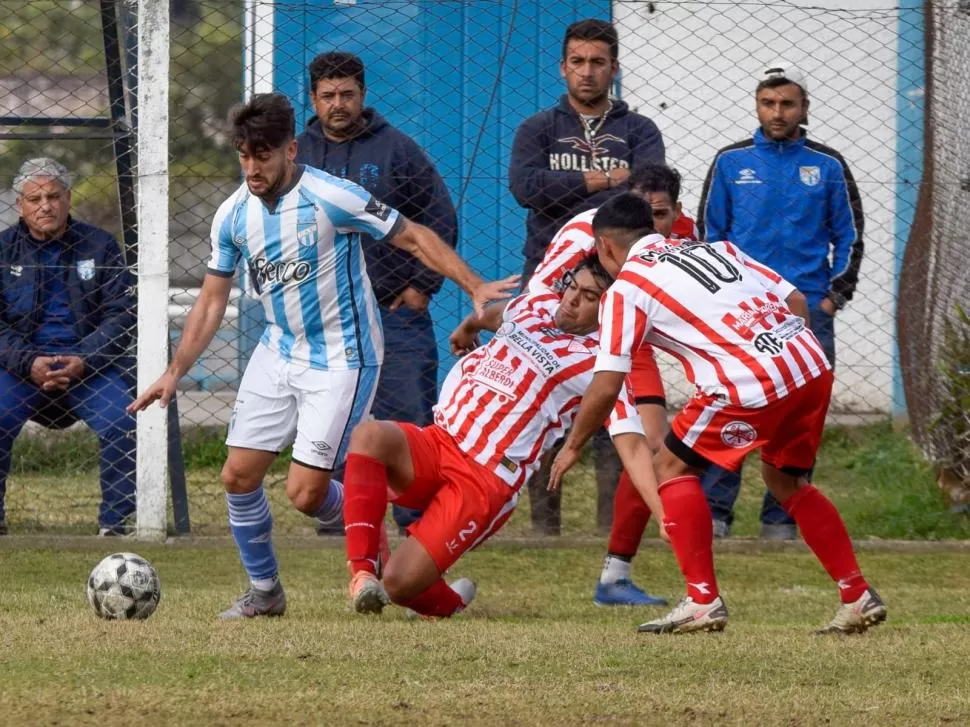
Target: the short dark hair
(596, 269)
(624, 213)
(593, 29)
(651, 178)
(336, 64)
(265, 122)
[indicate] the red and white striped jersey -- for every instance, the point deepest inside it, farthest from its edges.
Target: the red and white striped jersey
(509, 401)
(716, 310)
(575, 241)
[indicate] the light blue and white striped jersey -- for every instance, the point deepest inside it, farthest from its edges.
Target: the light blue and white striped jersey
(307, 265)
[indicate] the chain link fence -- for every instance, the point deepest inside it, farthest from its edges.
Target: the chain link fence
(934, 290)
(458, 78)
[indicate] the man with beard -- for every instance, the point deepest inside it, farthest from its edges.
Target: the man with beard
(572, 158)
(313, 375)
(355, 142)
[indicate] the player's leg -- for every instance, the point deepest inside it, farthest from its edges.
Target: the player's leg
(263, 423)
(721, 488)
(19, 400)
(330, 404)
(630, 512)
(630, 518)
(100, 400)
(469, 505)
(786, 461)
(379, 460)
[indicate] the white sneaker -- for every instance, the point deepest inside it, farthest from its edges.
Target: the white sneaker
(688, 616)
(858, 616)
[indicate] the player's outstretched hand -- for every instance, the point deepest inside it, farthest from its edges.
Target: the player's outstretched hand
(463, 339)
(162, 390)
(494, 290)
(563, 462)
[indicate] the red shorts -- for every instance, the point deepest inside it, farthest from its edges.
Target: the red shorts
(463, 503)
(645, 379)
(788, 431)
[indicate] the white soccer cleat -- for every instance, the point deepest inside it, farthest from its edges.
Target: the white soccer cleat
(688, 616)
(858, 616)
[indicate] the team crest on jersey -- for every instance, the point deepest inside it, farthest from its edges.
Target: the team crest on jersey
(810, 176)
(580, 346)
(738, 434)
(85, 269)
(306, 234)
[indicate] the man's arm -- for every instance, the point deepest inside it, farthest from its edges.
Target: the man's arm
(432, 251)
(464, 339)
(847, 224)
(539, 188)
(200, 327)
(714, 210)
(648, 143)
(638, 462)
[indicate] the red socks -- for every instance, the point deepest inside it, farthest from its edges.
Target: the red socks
(824, 532)
(630, 517)
(365, 504)
(439, 600)
(688, 522)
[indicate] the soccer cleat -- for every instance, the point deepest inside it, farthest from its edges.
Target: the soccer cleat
(367, 593)
(624, 593)
(858, 616)
(688, 616)
(722, 529)
(255, 602)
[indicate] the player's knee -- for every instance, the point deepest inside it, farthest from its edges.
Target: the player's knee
(398, 584)
(369, 438)
(306, 497)
(237, 479)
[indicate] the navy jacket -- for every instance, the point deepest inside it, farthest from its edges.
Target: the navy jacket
(390, 165)
(100, 288)
(550, 154)
(792, 205)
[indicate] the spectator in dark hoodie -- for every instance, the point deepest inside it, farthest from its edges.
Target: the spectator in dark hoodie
(569, 159)
(353, 142)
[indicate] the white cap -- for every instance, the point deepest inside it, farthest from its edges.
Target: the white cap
(784, 70)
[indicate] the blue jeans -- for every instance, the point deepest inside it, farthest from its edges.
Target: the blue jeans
(722, 486)
(408, 387)
(100, 400)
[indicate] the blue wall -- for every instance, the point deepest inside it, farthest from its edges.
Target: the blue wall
(453, 76)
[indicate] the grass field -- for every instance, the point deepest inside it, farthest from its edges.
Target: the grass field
(874, 474)
(532, 650)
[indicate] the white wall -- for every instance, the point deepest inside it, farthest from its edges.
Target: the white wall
(690, 67)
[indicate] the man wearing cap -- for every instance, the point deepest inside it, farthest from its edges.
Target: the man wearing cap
(792, 204)
(67, 306)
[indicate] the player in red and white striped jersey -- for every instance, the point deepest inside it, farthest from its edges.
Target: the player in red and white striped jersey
(659, 185)
(502, 406)
(763, 382)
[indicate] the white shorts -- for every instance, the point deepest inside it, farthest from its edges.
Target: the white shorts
(281, 403)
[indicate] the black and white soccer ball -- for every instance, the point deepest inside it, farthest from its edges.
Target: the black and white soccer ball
(124, 586)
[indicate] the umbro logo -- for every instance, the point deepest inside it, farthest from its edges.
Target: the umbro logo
(747, 176)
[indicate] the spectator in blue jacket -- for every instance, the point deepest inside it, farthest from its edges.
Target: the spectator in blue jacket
(566, 160)
(351, 141)
(792, 204)
(67, 307)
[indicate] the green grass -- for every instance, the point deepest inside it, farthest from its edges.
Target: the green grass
(874, 474)
(532, 650)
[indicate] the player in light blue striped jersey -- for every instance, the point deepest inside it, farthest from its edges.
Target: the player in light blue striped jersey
(312, 377)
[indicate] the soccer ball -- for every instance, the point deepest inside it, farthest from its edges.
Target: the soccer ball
(124, 586)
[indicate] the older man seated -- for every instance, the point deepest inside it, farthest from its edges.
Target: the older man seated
(67, 306)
